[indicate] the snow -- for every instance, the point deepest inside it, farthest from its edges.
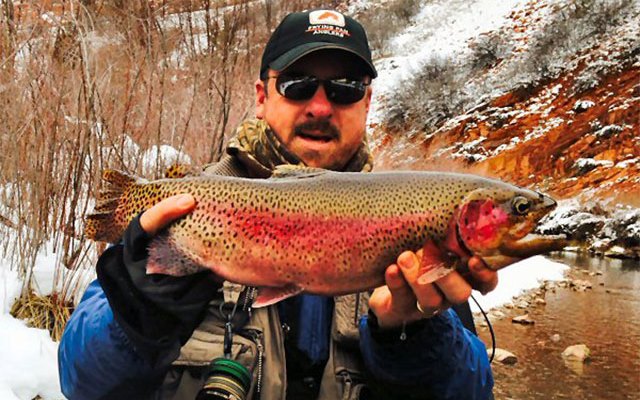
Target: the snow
(440, 31)
(164, 156)
(29, 356)
(519, 277)
(29, 362)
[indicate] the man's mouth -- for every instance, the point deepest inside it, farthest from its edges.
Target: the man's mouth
(320, 132)
(316, 136)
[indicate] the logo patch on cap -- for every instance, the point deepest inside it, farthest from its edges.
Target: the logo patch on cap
(326, 17)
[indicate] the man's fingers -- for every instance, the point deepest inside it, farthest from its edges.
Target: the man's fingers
(427, 295)
(166, 211)
(400, 290)
(483, 279)
(454, 287)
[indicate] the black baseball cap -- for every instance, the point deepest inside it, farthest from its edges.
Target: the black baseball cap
(302, 33)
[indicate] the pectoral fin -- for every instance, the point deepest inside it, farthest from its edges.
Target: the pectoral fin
(435, 263)
(271, 295)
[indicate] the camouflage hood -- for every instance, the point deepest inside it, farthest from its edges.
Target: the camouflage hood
(256, 145)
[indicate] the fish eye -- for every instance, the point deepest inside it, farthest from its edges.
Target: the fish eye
(521, 205)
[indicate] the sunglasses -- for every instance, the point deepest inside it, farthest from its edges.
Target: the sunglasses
(338, 90)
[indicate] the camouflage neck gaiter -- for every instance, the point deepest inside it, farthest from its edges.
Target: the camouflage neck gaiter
(255, 143)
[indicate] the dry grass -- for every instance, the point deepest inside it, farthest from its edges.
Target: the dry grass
(45, 312)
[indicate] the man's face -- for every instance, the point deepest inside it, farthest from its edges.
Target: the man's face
(321, 133)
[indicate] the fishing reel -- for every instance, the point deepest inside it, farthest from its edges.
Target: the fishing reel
(226, 380)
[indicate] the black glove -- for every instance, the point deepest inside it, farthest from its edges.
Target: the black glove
(157, 312)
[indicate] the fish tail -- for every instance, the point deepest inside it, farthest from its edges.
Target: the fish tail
(102, 224)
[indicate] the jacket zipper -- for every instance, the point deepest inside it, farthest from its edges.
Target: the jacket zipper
(257, 338)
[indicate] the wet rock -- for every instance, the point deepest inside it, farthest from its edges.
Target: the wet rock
(503, 356)
(555, 337)
(496, 315)
(523, 319)
(573, 222)
(577, 352)
(580, 285)
(619, 252)
(540, 300)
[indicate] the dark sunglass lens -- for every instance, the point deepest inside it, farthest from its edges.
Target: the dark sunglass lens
(344, 91)
(292, 88)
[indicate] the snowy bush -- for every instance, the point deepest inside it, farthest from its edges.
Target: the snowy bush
(583, 105)
(584, 165)
(383, 21)
(608, 131)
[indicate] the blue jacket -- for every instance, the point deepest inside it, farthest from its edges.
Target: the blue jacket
(447, 361)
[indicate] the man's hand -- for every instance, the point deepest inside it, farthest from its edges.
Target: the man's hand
(165, 212)
(396, 303)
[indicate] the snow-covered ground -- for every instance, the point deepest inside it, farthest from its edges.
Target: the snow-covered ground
(518, 278)
(29, 356)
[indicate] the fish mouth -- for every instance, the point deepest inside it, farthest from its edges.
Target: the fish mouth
(533, 244)
(511, 251)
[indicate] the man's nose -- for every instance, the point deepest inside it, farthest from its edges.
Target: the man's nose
(319, 105)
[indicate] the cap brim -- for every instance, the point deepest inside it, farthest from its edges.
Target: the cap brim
(293, 55)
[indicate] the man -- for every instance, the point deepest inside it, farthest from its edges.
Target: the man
(150, 336)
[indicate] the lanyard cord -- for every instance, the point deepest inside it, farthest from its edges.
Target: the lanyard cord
(493, 335)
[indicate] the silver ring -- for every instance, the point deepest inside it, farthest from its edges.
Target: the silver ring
(433, 314)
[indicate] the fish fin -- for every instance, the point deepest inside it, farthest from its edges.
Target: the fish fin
(296, 171)
(271, 295)
(435, 263)
(168, 258)
(435, 272)
(177, 171)
(118, 180)
(101, 224)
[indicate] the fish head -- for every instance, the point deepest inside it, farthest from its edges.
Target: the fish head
(496, 223)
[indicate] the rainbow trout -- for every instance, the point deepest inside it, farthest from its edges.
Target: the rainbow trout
(326, 232)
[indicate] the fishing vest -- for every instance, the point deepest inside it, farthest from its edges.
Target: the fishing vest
(258, 342)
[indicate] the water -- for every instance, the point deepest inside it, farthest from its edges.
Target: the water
(605, 318)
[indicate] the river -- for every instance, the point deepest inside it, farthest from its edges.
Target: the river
(606, 318)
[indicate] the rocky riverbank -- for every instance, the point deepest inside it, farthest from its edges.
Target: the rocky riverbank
(571, 338)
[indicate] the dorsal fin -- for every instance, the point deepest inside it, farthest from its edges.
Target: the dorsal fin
(296, 171)
(177, 171)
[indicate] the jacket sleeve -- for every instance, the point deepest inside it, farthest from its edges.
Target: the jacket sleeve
(439, 359)
(95, 355)
(129, 326)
